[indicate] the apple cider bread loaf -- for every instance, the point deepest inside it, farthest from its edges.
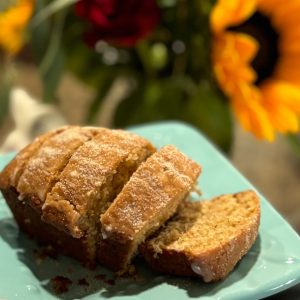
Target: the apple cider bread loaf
(206, 238)
(100, 194)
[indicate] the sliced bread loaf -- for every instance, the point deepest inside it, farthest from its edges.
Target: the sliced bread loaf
(150, 197)
(206, 238)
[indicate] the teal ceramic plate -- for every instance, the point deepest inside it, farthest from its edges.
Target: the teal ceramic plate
(272, 265)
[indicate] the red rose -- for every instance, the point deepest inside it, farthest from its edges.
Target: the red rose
(122, 22)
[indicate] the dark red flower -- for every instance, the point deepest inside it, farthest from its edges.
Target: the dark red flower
(122, 22)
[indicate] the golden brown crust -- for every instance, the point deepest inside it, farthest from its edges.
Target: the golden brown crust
(12, 172)
(211, 256)
(82, 185)
(150, 197)
(44, 166)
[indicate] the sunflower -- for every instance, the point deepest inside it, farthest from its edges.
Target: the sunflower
(256, 60)
(14, 16)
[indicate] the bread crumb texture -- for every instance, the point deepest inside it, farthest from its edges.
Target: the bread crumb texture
(211, 235)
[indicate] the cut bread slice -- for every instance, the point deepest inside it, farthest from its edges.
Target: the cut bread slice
(206, 238)
(13, 171)
(150, 197)
(93, 177)
(45, 165)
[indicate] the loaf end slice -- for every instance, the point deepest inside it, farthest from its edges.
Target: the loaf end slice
(26, 180)
(207, 238)
(150, 197)
(44, 166)
(9, 177)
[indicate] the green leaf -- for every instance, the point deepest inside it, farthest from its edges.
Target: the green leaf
(294, 140)
(48, 53)
(208, 111)
(40, 36)
(152, 100)
(53, 76)
(103, 87)
(4, 100)
(50, 9)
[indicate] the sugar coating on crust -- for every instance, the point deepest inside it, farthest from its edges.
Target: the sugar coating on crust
(97, 170)
(212, 235)
(152, 186)
(11, 174)
(44, 166)
(150, 197)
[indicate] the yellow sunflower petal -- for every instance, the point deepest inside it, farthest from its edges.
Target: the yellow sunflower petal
(229, 80)
(12, 24)
(284, 74)
(283, 119)
(289, 60)
(282, 102)
(242, 114)
(281, 93)
(285, 14)
(267, 6)
(291, 34)
(233, 45)
(289, 45)
(231, 55)
(251, 114)
(227, 13)
(255, 120)
(246, 46)
(288, 75)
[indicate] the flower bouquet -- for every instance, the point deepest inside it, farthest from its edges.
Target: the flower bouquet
(204, 62)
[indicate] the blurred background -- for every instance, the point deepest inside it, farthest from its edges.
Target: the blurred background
(229, 68)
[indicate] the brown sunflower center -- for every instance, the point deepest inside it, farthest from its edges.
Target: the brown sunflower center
(260, 27)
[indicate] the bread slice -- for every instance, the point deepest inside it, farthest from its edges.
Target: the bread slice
(206, 239)
(93, 177)
(32, 173)
(45, 165)
(150, 197)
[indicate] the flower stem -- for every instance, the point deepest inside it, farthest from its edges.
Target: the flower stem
(294, 141)
(144, 54)
(54, 43)
(6, 78)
